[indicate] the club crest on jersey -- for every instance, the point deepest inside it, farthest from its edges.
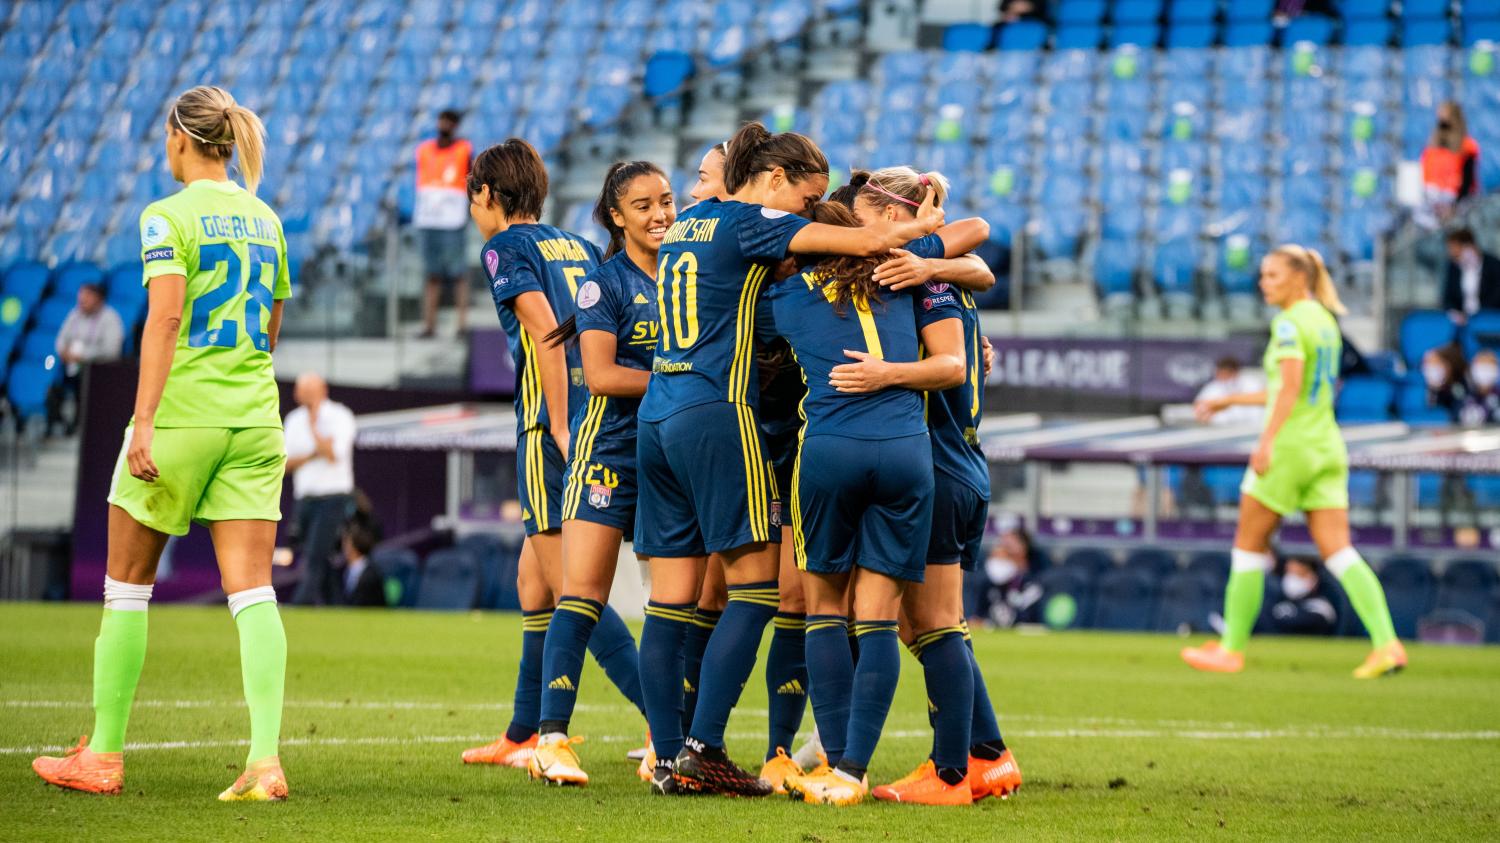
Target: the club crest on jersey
(776, 514)
(588, 295)
(154, 230)
(599, 495)
(492, 263)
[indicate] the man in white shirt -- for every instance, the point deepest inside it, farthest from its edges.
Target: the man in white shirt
(1228, 380)
(320, 458)
(92, 333)
(1472, 281)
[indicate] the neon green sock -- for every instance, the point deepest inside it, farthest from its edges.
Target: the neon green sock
(263, 665)
(1365, 594)
(1242, 597)
(119, 655)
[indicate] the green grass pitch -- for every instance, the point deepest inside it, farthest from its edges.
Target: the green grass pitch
(1117, 740)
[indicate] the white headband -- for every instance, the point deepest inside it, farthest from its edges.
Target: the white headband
(191, 134)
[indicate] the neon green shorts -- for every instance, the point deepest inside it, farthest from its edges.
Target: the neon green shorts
(1300, 481)
(207, 474)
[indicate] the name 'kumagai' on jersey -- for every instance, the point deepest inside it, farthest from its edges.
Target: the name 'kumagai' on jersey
(619, 299)
(714, 262)
(229, 246)
(887, 327)
(537, 258)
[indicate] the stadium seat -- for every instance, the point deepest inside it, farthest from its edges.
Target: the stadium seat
(1067, 598)
(27, 281)
(68, 278)
(450, 580)
(1080, 11)
(1154, 562)
(1410, 589)
(1186, 599)
(1422, 330)
(667, 72)
(1413, 408)
(1482, 332)
(1124, 600)
(1190, 36)
(1465, 586)
(1023, 35)
(27, 389)
(1364, 399)
(1091, 562)
(967, 37)
(400, 569)
(1307, 29)
(1079, 37)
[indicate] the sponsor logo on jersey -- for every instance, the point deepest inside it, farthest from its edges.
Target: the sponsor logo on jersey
(492, 263)
(930, 302)
(163, 254)
(154, 230)
(588, 295)
(562, 683)
(599, 495)
(640, 298)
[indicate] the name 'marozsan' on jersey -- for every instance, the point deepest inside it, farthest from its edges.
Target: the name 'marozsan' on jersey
(888, 328)
(1306, 331)
(713, 263)
(619, 299)
(229, 246)
(537, 258)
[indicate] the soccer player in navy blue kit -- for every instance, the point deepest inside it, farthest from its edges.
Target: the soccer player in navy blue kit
(534, 271)
(616, 328)
(969, 760)
(705, 485)
(861, 497)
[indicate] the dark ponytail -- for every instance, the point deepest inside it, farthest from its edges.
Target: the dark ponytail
(620, 174)
(853, 277)
(753, 149)
(846, 193)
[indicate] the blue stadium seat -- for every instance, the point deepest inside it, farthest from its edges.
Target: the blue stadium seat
(1212, 565)
(1410, 590)
(1223, 482)
(1482, 332)
(29, 383)
(1373, 32)
(50, 314)
(1115, 263)
(1124, 600)
(1080, 11)
(1140, 35)
(1248, 10)
(1422, 330)
(666, 72)
(68, 278)
(1365, 399)
(1413, 408)
(1186, 600)
(27, 281)
(1091, 562)
(1248, 34)
(450, 580)
(1364, 488)
(1191, 36)
(400, 569)
(1465, 586)
(1079, 37)
(1023, 35)
(1314, 29)
(1154, 562)
(969, 37)
(1422, 31)
(1060, 585)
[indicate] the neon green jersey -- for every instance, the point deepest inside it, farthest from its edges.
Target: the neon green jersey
(1306, 331)
(229, 246)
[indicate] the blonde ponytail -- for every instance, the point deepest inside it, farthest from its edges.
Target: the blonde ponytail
(904, 186)
(1310, 264)
(218, 126)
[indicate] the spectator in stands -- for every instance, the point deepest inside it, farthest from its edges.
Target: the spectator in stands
(1472, 282)
(1014, 10)
(320, 458)
(92, 333)
(1443, 372)
(1450, 163)
(1230, 379)
(1482, 405)
(363, 582)
(1304, 607)
(1007, 595)
(442, 218)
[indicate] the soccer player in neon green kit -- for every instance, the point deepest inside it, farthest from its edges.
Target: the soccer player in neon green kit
(205, 443)
(1300, 463)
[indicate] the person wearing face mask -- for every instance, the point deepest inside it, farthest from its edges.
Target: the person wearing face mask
(1450, 164)
(1443, 372)
(1009, 597)
(1304, 607)
(1482, 404)
(1472, 279)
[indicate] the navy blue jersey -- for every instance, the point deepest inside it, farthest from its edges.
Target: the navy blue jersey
(887, 327)
(953, 414)
(526, 258)
(714, 261)
(619, 299)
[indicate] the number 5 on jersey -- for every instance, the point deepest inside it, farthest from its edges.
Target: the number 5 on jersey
(240, 281)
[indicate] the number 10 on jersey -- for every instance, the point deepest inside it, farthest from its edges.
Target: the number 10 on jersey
(677, 301)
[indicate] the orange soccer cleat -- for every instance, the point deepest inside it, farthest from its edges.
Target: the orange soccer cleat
(503, 752)
(1383, 661)
(262, 781)
(1212, 658)
(1000, 777)
(827, 786)
(923, 786)
(83, 769)
(777, 770)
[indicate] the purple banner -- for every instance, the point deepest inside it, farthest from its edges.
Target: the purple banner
(1149, 370)
(491, 371)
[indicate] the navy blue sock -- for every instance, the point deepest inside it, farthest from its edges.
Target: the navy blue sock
(703, 623)
(950, 695)
(875, 679)
(830, 680)
(661, 674)
(731, 656)
(853, 647)
(614, 649)
(985, 729)
(562, 660)
(786, 680)
(527, 712)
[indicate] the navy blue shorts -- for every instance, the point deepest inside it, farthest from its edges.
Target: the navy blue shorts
(539, 481)
(958, 517)
(602, 490)
(705, 484)
(865, 502)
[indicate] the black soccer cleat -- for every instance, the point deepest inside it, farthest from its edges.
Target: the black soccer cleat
(705, 769)
(663, 783)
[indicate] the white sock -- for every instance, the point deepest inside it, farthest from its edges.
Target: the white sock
(845, 776)
(125, 596)
(242, 600)
(1340, 562)
(1249, 560)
